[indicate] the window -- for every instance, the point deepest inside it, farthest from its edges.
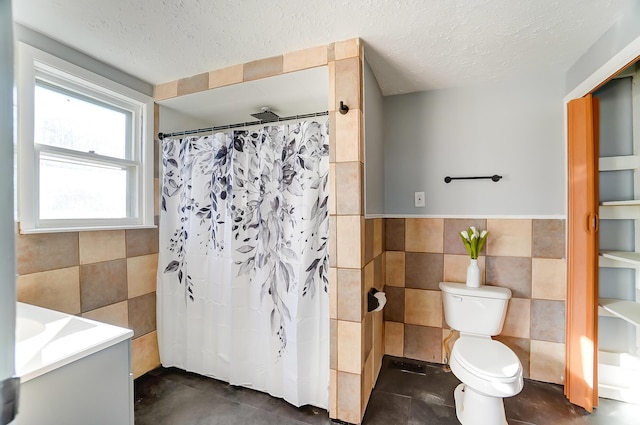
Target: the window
(85, 150)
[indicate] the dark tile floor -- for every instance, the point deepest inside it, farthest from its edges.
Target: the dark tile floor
(174, 397)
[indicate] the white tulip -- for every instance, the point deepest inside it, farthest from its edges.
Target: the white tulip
(483, 234)
(474, 236)
(475, 231)
(465, 234)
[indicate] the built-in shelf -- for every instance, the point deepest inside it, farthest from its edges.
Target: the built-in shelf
(623, 309)
(631, 202)
(631, 258)
(617, 163)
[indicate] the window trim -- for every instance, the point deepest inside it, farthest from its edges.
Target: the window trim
(35, 64)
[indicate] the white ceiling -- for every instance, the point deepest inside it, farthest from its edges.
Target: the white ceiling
(412, 45)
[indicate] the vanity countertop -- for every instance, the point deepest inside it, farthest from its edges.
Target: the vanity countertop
(48, 339)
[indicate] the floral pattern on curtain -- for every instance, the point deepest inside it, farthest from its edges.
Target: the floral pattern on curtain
(247, 212)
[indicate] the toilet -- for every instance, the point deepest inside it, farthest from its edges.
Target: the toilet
(488, 369)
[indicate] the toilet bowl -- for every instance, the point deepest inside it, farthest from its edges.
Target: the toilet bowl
(488, 369)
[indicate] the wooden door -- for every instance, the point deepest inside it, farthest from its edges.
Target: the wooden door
(581, 377)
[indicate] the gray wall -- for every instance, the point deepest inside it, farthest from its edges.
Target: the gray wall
(612, 42)
(7, 224)
(373, 144)
(53, 47)
(514, 129)
(172, 121)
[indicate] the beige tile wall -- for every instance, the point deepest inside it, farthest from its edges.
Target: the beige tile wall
(356, 246)
(526, 256)
(108, 276)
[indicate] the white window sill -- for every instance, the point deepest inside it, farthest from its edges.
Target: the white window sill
(85, 229)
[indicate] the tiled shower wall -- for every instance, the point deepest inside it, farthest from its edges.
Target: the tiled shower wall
(109, 276)
(524, 255)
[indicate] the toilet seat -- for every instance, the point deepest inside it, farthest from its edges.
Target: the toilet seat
(487, 359)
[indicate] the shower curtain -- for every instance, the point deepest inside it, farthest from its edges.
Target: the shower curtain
(243, 265)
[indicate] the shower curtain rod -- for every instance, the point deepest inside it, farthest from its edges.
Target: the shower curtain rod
(161, 136)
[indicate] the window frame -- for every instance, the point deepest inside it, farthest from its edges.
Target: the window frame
(33, 65)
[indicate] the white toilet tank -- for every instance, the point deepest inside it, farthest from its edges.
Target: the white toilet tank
(478, 311)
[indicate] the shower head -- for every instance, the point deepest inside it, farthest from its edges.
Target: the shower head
(266, 115)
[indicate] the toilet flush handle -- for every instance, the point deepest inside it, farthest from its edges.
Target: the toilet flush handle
(457, 298)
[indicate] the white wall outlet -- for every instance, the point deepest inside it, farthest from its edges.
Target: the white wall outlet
(419, 199)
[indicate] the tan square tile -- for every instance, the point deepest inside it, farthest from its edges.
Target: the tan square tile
(101, 246)
(367, 379)
(548, 278)
(226, 76)
(46, 251)
(333, 393)
(331, 69)
(548, 320)
(394, 310)
(348, 137)
(331, 52)
(369, 271)
(347, 48)
(423, 307)
(423, 343)
(114, 314)
(424, 235)
(348, 83)
(518, 320)
(511, 272)
(194, 84)
(394, 234)
(142, 241)
(547, 361)
(394, 268)
(142, 275)
(455, 268)
(333, 344)
(423, 270)
(55, 289)
(333, 292)
(378, 245)
(367, 330)
(304, 59)
(349, 346)
(378, 343)
(509, 237)
(350, 295)
(262, 68)
(379, 272)
(368, 240)
(549, 238)
(144, 354)
(394, 338)
(333, 241)
(349, 397)
(166, 90)
(142, 314)
(102, 284)
(349, 188)
(332, 189)
(349, 229)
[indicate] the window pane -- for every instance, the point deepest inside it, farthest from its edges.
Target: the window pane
(75, 122)
(73, 190)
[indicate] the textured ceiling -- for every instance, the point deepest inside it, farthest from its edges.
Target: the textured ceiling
(412, 45)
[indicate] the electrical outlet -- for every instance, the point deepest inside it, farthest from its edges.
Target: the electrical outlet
(419, 199)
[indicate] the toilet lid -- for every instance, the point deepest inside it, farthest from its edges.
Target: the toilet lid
(486, 357)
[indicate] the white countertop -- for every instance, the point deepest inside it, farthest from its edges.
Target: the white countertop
(47, 339)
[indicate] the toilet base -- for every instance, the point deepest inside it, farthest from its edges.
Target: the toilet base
(474, 408)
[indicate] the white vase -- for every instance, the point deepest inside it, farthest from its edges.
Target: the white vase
(473, 274)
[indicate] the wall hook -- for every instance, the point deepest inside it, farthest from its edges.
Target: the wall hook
(343, 108)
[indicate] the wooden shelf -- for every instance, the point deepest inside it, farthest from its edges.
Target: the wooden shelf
(623, 309)
(631, 258)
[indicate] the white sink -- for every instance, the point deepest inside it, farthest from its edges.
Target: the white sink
(27, 328)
